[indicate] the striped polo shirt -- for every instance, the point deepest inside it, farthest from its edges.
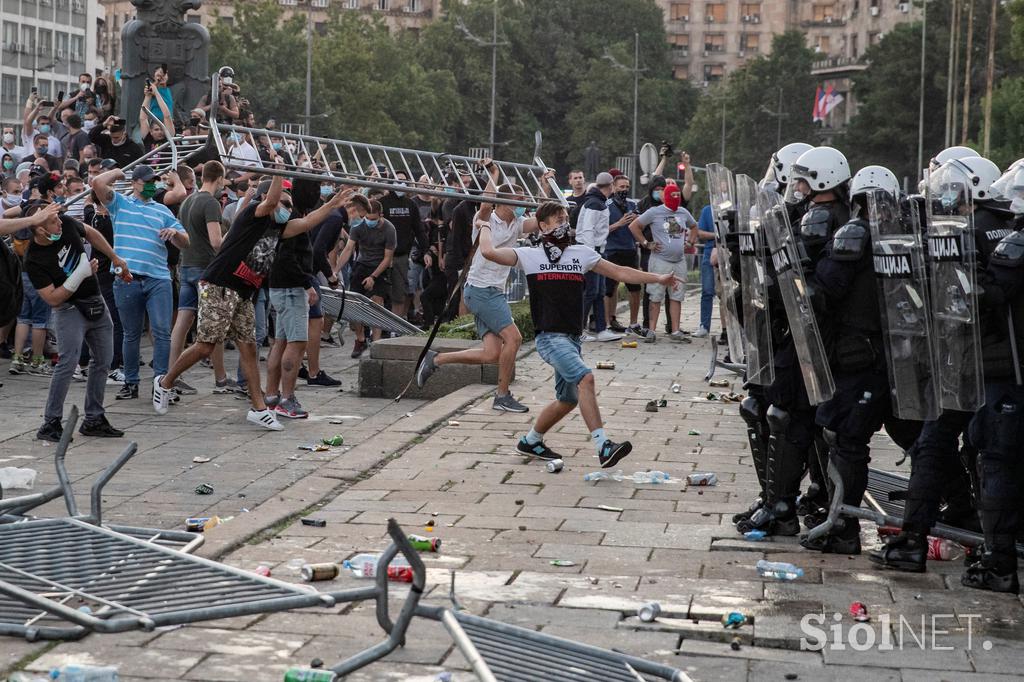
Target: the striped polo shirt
(137, 226)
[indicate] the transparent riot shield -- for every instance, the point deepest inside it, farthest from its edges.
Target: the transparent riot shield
(897, 242)
(952, 259)
(803, 326)
(723, 207)
(753, 283)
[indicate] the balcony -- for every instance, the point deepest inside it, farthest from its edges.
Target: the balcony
(835, 66)
(823, 23)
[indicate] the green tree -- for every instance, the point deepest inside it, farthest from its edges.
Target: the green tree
(746, 99)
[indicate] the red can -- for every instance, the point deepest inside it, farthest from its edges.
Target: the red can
(859, 612)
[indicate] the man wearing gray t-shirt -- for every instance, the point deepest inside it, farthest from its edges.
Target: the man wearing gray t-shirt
(375, 237)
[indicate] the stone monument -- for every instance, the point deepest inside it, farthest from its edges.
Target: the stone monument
(159, 35)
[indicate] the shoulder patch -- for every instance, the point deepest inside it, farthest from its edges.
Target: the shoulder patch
(850, 242)
(815, 223)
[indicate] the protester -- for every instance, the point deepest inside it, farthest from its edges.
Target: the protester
(402, 212)
(37, 122)
(592, 232)
(621, 250)
(707, 275)
(578, 187)
(112, 141)
(142, 229)
(97, 215)
(64, 278)
(555, 276)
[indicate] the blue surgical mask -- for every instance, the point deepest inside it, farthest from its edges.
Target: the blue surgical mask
(41, 150)
(53, 237)
(59, 200)
(44, 128)
(450, 190)
(371, 223)
(356, 222)
(520, 211)
(281, 215)
(161, 185)
(326, 190)
(656, 195)
(277, 146)
(235, 137)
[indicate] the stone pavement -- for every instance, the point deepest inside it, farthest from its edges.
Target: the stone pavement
(503, 521)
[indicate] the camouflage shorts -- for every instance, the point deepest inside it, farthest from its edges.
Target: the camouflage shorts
(224, 315)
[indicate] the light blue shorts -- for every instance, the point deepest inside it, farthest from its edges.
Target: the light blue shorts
(292, 309)
(563, 353)
(489, 307)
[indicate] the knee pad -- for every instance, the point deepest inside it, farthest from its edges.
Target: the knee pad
(750, 411)
(778, 420)
(831, 438)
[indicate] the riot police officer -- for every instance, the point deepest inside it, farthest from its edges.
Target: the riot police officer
(846, 304)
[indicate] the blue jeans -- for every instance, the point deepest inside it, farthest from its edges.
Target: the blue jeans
(563, 353)
(135, 300)
(593, 296)
(707, 286)
(108, 295)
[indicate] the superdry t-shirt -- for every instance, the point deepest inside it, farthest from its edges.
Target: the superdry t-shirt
(556, 289)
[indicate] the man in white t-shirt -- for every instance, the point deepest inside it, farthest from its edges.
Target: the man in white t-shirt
(672, 228)
(484, 295)
(243, 151)
(555, 274)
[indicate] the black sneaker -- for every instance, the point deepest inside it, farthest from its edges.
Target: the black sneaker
(426, 368)
(615, 326)
(51, 430)
(128, 392)
(538, 450)
(322, 378)
(612, 453)
(100, 428)
(303, 372)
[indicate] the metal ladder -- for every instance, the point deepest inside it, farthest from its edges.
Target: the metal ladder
(374, 166)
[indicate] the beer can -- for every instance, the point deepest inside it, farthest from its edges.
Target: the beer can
(702, 479)
(316, 523)
(312, 573)
(196, 524)
(629, 344)
(606, 365)
(554, 466)
(424, 544)
(263, 570)
(649, 612)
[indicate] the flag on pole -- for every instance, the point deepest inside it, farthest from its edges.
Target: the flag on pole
(825, 100)
(832, 100)
(815, 113)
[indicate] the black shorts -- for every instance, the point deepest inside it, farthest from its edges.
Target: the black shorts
(628, 259)
(381, 284)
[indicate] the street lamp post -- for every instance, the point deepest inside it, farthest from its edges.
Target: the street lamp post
(310, 4)
(920, 112)
(636, 71)
(494, 44)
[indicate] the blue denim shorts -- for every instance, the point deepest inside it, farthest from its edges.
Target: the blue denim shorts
(315, 311)
(34, 310)
(188, 287)
(489, 307)
(563, 353)
(292, 313)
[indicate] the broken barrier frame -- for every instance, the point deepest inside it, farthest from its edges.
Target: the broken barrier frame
(355, 163)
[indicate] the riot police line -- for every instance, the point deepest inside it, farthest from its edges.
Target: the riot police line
(860, 308)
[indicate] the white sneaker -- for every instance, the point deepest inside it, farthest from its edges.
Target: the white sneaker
(608, 335)
(79, 374)
(700, 333)
(161, 396)
(115, 378)
(587, 338)
(264, 418)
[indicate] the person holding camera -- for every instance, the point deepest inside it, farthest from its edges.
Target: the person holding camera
(112, 141)
(37, 121)
(154, 100)
(158, 95)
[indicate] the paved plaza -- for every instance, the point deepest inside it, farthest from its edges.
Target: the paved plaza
(450, 465)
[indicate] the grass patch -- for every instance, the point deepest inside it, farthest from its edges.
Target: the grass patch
(462, 327)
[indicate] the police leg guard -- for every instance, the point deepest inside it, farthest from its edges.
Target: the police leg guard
(852, 463)
(959, 507)
(752, 412)
(784, 470)
(813, 504)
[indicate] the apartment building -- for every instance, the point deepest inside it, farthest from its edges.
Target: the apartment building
(397, 14)
(46, 45)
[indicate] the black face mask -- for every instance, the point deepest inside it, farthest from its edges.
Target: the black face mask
(622, 195)
(556, 242)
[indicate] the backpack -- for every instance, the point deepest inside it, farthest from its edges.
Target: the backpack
(11, 289)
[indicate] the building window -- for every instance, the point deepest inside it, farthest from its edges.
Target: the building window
(62, 46)
(45, 43)
(714, 13)
(413, 6)
(679, 11)
(714, 42)
(10, 35)
(45, 89)
(855, 46)
(77, 48)
(824, 13)
(9, 89)
(382, 5)
(713, 72)
(823, 44)
(751, 43)
(28, 38)
(750, 12)
(680, 43)
(226, 21)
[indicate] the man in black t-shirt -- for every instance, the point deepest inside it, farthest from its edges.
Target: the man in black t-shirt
(402, 212)
(230, 284)
(555, 276)
(65, 279)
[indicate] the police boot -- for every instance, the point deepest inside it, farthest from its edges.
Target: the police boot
(997, 570)
(844, 538)
(751, 412)
(784, 470)
(813, 505)
(907, 551)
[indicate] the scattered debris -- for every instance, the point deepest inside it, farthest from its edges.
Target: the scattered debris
(452, 422)
(676, 388)
(791, 676)
(313, 573)
(444, 676)
(719, 383)
(608, 507)
(606, 365)
(522, 528)
(520, 502)
(859, 612)
(422, 544)
(263, 570)
(652, 406)
(649, 612)
(334, 440)
(779, 570)
(629, 344)
(711, 396)
(733, 620)
(706, 479)
(554, 466)
(755, 535)
(200, 460)
(204, 489)
(562, 562)
(201, 524)
(693, 432)
(315, 447)
(17, 478)
(662, 403)
(731, 397)
(316, 523)
(735, 644)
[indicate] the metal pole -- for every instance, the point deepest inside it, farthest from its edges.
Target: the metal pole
(636, 101)
(990, 78)
(947, 136)
(778, 130)
(965, 126)
(309, 66)
(957, 29)
(723, 129)
(494, 72)
(920, 113)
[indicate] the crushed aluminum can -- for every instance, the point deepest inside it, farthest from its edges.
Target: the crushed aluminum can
(702, 479)
(422, 544)
(554, 466)
(334, 440)
(629, 344)
(649, 612)
(312, 573)
(316, 523)
(859, 612)
(204, 489)
(196, 524)
(606, 365)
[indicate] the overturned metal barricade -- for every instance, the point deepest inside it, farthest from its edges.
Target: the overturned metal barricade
(342, 304)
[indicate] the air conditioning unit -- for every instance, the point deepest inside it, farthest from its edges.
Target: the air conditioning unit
(746, 19)
(743, 53)
(904, 7)
(320, 4)
(875, 11)
(685, 52)
(828, 20)
(705, 53)
(685, 18)
(756, 18)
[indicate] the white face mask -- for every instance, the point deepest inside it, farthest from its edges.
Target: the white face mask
(88, 124)
(8, 138)
(83, 86)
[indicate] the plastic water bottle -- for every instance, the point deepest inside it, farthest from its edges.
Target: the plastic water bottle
(365, 566)
(309, 675)
(84, 673)
(596, 476)
(636, 477)
(779, 570)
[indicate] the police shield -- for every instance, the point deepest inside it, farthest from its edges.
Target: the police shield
(803, 327)
(898, 250)
(753, 283)
(723, 207)
(954, 297)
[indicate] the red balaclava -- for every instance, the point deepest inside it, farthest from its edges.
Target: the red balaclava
(672, 197)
